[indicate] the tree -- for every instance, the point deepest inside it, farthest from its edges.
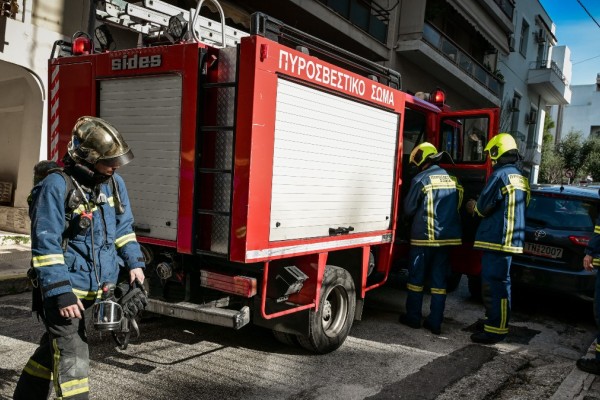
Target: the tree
(551, 166)
(570, 149)
(591, 155)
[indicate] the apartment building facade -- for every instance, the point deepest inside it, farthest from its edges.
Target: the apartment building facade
(461, 46)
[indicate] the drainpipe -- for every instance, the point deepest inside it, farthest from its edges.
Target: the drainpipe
(92, 18)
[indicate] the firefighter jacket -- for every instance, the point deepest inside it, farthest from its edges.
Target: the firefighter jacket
(593, 247)
(502, 205)
(110, 239)
(433, 201)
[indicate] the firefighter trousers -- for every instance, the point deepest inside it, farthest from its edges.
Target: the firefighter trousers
(495, 290)
(62, 359)
(435, 262)
(597, 314)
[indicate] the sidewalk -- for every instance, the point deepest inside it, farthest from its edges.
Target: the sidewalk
(15, 253)
(579, 385)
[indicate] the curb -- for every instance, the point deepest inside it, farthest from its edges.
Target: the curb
(577, 384)
(574, 386)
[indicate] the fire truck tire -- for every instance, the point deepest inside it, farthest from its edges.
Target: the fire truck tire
(329, 326)
(286, 338)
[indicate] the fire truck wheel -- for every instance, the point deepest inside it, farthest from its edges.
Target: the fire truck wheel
(329, 326)
(286, 338)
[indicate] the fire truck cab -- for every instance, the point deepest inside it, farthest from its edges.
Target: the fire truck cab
(268, 172)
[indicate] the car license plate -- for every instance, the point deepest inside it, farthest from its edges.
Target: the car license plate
(542, 250)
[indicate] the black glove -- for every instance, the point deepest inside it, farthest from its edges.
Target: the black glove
(65, 300)
(132, 299)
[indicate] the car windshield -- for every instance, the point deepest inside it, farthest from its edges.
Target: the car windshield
(561, 213)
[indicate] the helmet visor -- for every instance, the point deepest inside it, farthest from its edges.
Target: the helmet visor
(117, 161)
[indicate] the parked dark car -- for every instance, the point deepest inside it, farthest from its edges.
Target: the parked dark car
(559, 223)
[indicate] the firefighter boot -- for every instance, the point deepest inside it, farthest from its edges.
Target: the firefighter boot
(436, 330)
(405, 320)
(486, 338)
(590, 365)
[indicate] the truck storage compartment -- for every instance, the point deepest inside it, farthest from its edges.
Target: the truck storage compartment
(147, 112)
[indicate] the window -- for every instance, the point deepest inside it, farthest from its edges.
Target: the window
(524, 37)
(531, 122)
(561, 213)
(414, 130)
(464, 139)
(515, 113)
(531, 133)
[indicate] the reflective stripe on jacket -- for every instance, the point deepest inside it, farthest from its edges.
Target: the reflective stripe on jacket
(593, 246)
(112, 235)
(433, 200)
(502, 205)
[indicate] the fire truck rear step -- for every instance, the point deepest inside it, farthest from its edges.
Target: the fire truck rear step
(201, 313)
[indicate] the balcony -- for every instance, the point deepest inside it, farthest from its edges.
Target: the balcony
(461, 59)
(368, 16)
(507, 7)
(549, 82)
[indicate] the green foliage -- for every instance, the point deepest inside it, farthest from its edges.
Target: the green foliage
(551, 166)
(591, 149)
(572, 153)
(16, 239)
(570, 149)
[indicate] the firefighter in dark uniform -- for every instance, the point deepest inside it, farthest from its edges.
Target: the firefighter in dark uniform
(433, 203)
(70, 264)
(501, 205)
(591, 261)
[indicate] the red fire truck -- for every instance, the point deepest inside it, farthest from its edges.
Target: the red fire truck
(268, 166)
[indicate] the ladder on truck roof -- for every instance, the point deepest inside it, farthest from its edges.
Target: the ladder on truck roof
(151, 18)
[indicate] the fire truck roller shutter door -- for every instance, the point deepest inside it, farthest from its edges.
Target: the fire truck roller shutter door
(333, 164)
(147, 112)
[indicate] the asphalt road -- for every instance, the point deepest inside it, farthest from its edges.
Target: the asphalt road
(381, 359)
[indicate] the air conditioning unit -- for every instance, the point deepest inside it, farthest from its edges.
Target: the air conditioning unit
(540, 36)
(514, 106)
(511, 43)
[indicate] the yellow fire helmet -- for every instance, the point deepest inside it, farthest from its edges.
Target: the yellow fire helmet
(95, 140)
(423, 152)
(500, 144)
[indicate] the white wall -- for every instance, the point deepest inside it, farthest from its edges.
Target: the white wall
(10, 132)
(583, 112)
(24, 53)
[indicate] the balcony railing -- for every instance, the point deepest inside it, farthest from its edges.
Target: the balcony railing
(459, 57)
(367, 15)
(543, 64)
